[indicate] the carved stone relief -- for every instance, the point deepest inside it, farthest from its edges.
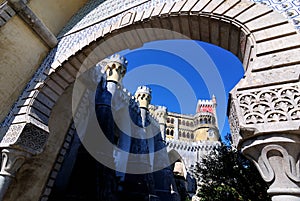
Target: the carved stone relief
(234, 124)
(277, 159)
(276, 104)
(12, 160)
(27, 137)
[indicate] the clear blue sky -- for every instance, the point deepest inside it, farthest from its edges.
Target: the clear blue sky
(180, 72)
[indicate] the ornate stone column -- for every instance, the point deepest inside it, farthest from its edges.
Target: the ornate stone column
(12, 160)
(20, 143)
(143, 96)
(140, 186)
(105, 102)
(277, 158)
(265, 124)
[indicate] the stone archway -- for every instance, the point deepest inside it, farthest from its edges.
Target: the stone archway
(173, 154)
(185, 183)
(264, 106)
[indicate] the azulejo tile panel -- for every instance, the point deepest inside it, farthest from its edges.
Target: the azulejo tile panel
(288, 8)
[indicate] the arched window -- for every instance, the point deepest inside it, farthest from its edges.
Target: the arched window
(168, 131)
(168, 120)
(188, 135)
(172, 121)
(172, 133)
(183, 134)
(179, 121)
(192, 136)
(192, 124)
(179, 133)
(187, 123)
(183, 122)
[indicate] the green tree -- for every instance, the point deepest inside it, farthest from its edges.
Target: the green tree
(226, 175)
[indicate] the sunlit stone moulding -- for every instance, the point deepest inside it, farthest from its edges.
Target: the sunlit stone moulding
(265, 126)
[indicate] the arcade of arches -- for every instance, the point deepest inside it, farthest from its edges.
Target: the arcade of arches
(42, 54)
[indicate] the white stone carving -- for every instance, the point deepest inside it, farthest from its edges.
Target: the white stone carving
(277, 159)
(27, 137)
(234, 124)
(270, 105)
(12, 160)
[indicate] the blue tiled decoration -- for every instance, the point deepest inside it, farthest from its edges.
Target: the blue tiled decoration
(288, 8)
(96, 15)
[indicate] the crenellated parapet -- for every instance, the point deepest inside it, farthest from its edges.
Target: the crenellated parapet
(192, 146)
(187, 127)
(191, 152)
(116, 68)
(161, 114)
(143, 95)
(206, 105)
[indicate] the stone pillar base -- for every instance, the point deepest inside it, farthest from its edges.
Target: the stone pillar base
(276, 156)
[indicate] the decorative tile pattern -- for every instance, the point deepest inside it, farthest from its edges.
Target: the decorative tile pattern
(31, 138)
(97, 15)
(270, 105)
(98, 11)
(289, 8)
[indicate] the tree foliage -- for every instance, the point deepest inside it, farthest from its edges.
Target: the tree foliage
(226, 175)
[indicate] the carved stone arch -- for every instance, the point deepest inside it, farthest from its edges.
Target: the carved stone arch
(252, 25)
(173, 154)
(40, 168)
(265, 42)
